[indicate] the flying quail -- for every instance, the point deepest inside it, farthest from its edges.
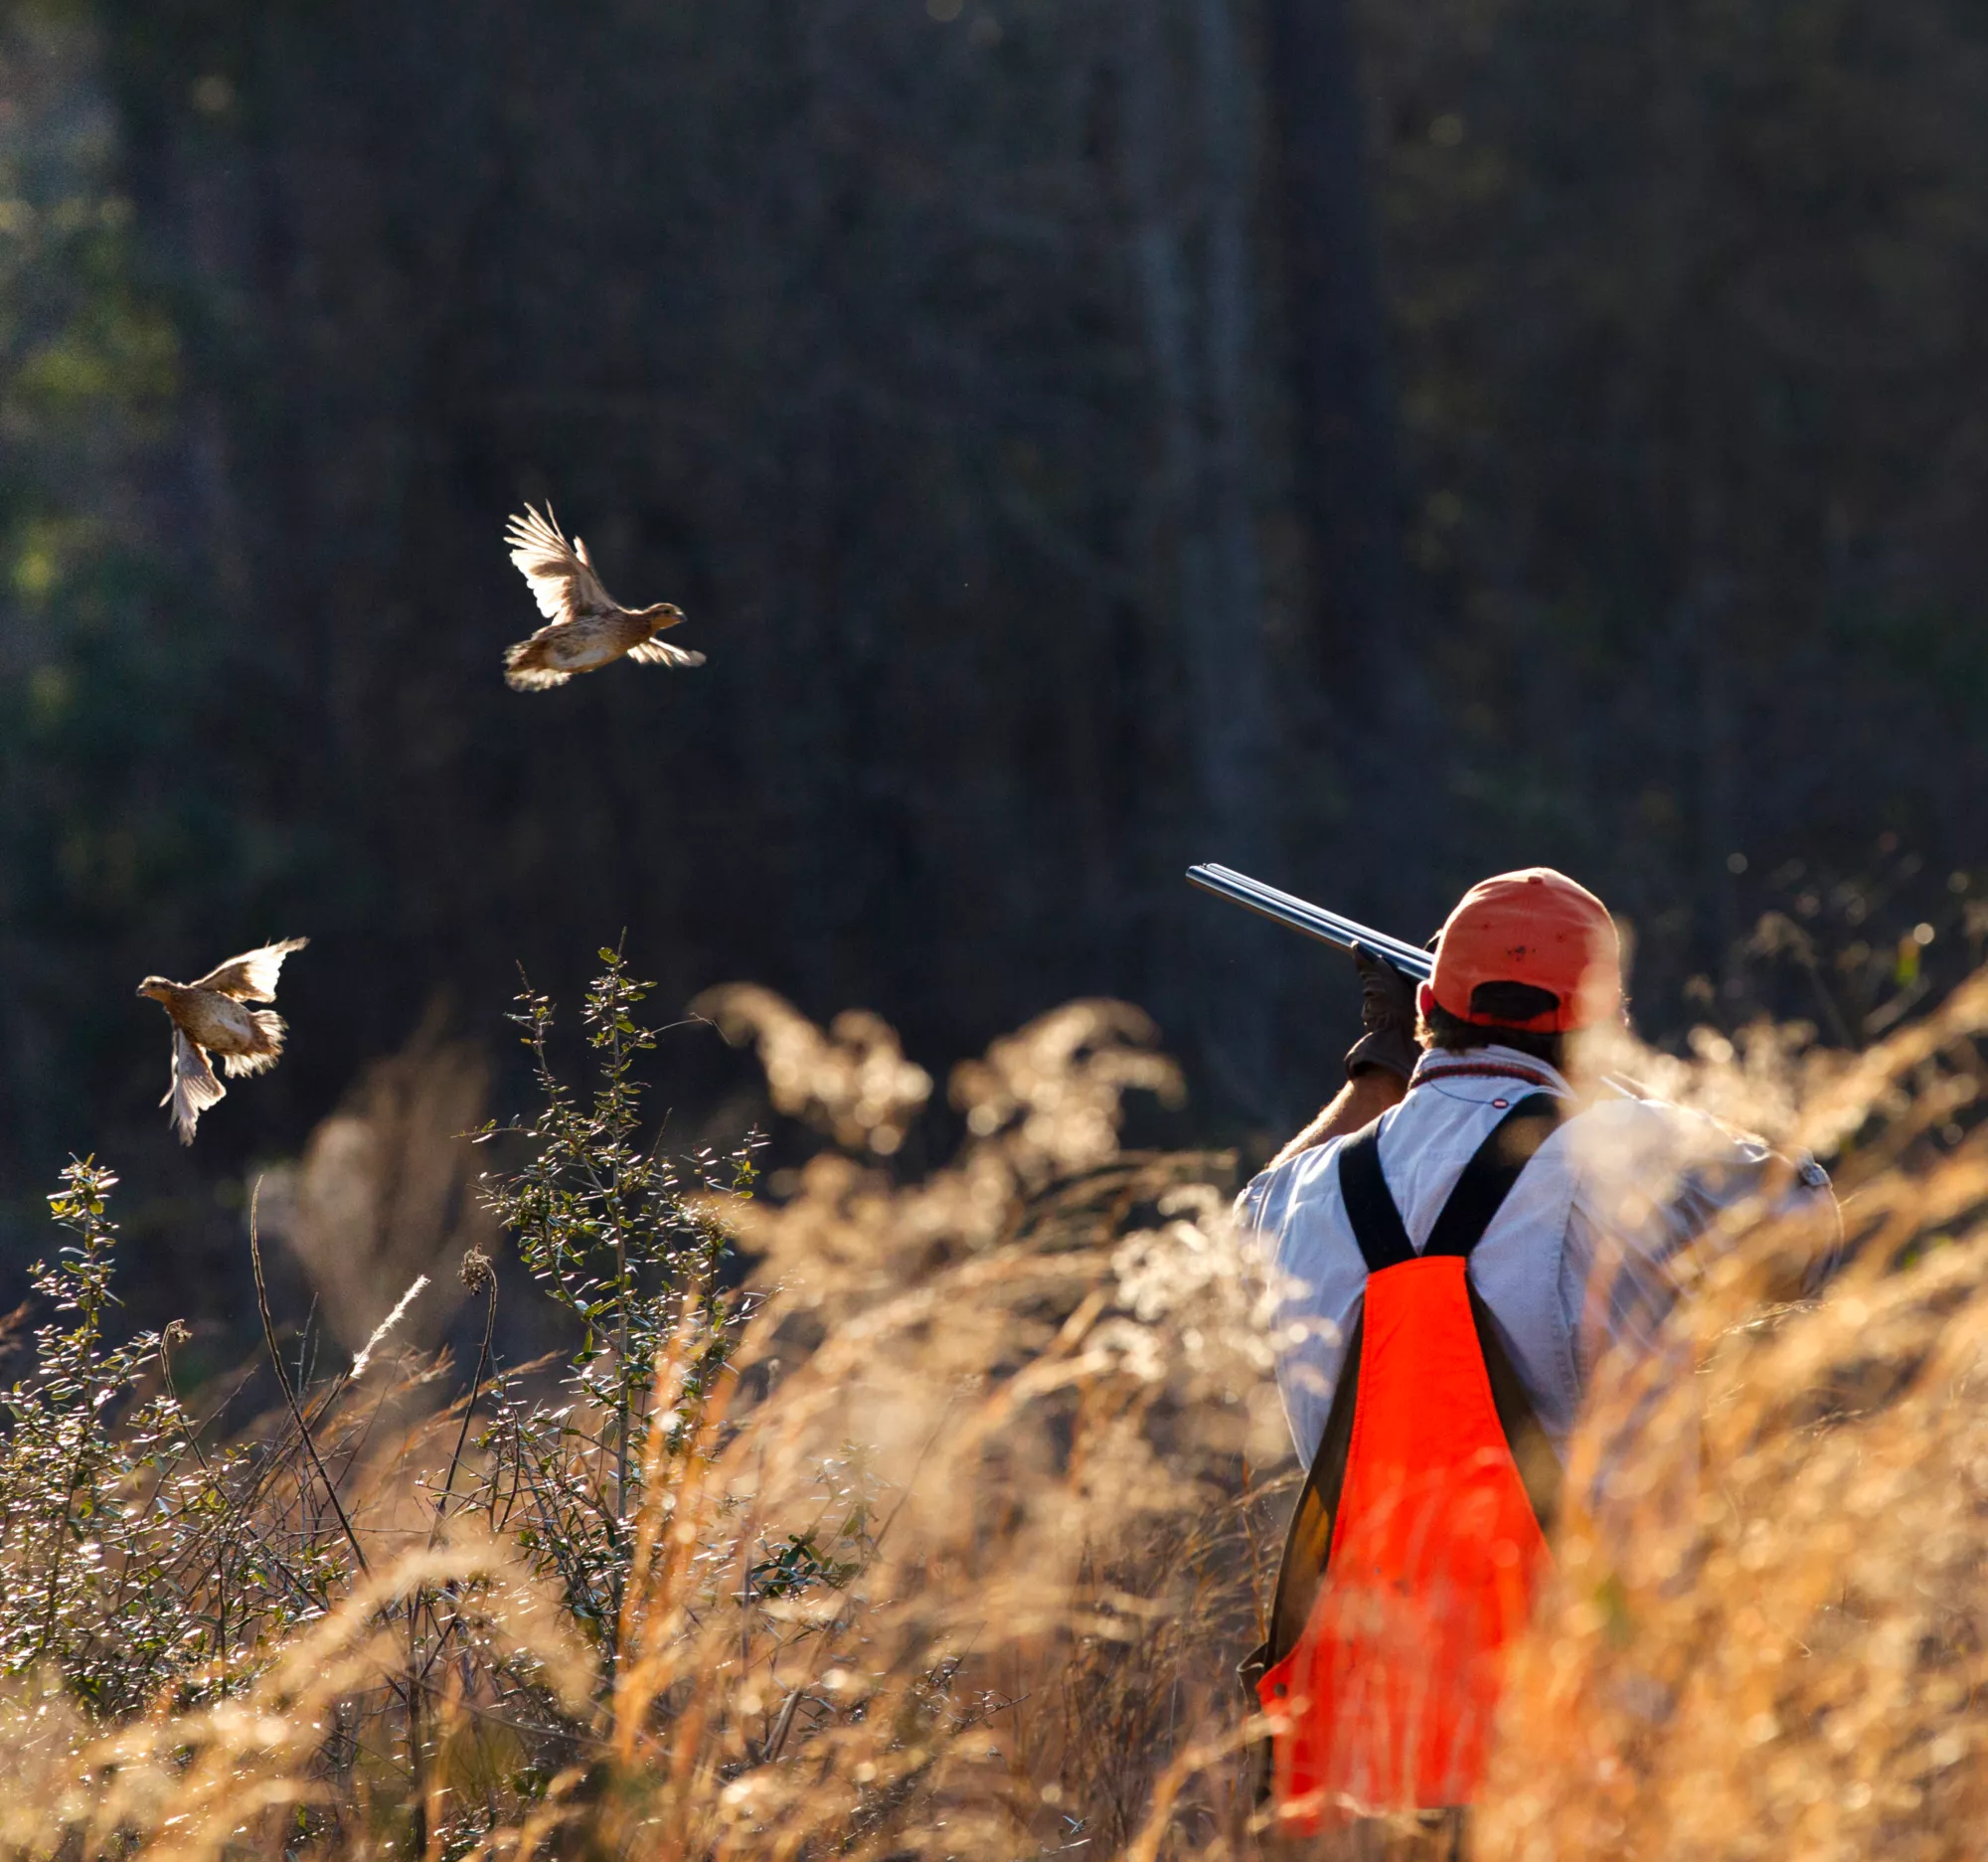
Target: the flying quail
(586, 627)
(207, 1017)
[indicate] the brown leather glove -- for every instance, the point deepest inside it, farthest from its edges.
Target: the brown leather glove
(1388, 1014)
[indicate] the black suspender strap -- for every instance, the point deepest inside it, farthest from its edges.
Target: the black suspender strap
(1480, 1194)
(1488, 1177)
(1376, 1222)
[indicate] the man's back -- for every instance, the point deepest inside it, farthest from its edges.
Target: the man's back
(1581, 1252)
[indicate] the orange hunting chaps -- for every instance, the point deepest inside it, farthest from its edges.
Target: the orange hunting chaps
(1388, 1697)
(1416, 1547)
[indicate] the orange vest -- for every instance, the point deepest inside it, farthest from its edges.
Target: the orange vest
(1416, 1544)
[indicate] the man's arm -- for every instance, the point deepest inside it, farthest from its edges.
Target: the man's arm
(1380, 1063)
(1360, 1101)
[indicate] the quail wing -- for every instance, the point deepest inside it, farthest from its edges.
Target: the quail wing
(560, 574)
(251, 977)
(193, 1088)
(661, 653)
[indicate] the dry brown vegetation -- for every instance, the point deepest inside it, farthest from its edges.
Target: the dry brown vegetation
(943, 1534)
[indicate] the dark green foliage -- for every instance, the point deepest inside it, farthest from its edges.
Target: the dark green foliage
(60, 1498)
(612, 1230)
(136, 1559)
(801, 1563)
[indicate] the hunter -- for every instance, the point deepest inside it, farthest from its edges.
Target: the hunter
(1459, 1236)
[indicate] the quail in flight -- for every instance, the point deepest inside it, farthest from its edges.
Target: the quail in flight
(209, 1018)
(585, 627)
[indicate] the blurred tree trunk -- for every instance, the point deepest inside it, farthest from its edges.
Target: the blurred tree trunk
(1345, 449)
(1199, 336)
(1702, 453)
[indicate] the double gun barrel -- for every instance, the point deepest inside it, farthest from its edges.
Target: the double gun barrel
(1314, 921)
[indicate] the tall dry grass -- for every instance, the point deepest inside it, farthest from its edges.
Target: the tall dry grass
(1767, 1632)
(941, 1537)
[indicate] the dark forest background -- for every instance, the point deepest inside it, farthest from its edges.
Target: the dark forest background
(1369, 445)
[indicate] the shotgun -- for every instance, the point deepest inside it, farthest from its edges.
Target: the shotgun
(1344, 932)
(1314, 921)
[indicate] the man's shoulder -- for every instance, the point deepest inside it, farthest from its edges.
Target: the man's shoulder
(1622, 1134)
(1305, 1181)
(1622, 1115)
(1620, 1127)
(1279, 1182)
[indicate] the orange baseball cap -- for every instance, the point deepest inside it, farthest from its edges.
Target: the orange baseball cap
(1534, 926)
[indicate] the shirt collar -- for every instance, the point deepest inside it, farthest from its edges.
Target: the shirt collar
(1487, 1067)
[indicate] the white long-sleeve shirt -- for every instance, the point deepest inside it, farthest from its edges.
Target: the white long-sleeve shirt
(1579, 1256)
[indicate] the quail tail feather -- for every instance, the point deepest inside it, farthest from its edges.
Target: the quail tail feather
(525, 668)
(269, 1048)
